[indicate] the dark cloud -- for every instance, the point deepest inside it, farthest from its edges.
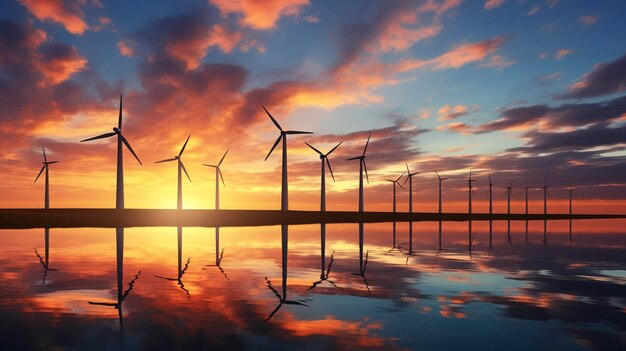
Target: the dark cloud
(579, 139)
(604, 79)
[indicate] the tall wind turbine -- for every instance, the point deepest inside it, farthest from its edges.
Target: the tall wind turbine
(119, 192)
(440, 180)
(362, 166)
(409, 177)
(546, 195)
(46, 202)
(490, 212)
(470, 191)
(325, 161)
(509, 192)
(528, 187)
(397, 181)
(181, 166)
(284, 198)
(218, 176)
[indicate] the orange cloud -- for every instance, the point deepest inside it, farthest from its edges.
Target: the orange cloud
(58, 62)
(193, 49)
(261, 15)
(492, 4)
(560, 54)
(447, 112)
(68, 14)
(125, 48)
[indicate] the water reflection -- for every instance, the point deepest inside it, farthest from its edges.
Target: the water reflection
(319, 287)
(181, 269)
(45, 261)
(121, 295)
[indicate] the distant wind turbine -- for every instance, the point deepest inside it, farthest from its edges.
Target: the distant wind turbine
(470, 191)
(440, 207)
(409, 178)
(490, 212)
(528, 187)
(218, 176)
(509, 192)
(362, 166)
(119, 193)
(395, 182)
(325, 161)
(47, 187)
(181, 166)
(570, 213)
(284, 199)
(546, 195)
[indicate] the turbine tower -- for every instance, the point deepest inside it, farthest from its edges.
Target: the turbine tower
(409, 177)
(528, 187)
(546, 195)
(47, 188)
(470, 191)
(181, 166)
(119, 192)
(362, 166)
(509, 192)
(325, 161)
(571, 239)
(284, 199)
(395, 182)
(218, 176)
(490, 212)
(440, 180)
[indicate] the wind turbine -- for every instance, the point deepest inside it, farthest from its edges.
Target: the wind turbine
(546, 195)
(181, 166)
(570, 213)
(119, 192)
(440, 180)
(181, 269)
(325, 161)
(490, 212)
(397, 181)
(45, 262)
(362, 166)
(284, 198)
(509, 192)
(409, 177)
(470, 191)
(45, 167)
(218, 176)
(528, 187)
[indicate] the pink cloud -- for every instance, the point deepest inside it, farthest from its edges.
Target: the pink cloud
(447, 112)
(125, 48)
(498, 61)
(66, 13)
(456, 127)
(588, 20)
(261, 15)
(492, 4)
(561, 53)
(192, 49)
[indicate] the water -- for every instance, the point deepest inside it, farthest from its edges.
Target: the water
(187, 295)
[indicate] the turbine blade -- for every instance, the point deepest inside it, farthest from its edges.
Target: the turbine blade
(52, 162)
(548, 193)
(184, 170)
(333, 149)
(130, 148)
(314, 149)
(184, 146)
(102, 136)
(167, 160)
(437, 175)
(119, 122)
(273, 147)
(330, 169)
(354, 158)
(272, 118)
(222, 159)
(297, 132)
(367, 143)
(213, 166)
(400, 176)
(45, 158)
(407, 168)
(221, 176)
(365, 167)
(38, 175)
(406, 179)
(400, 185)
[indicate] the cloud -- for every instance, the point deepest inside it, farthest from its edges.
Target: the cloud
(604, 79)
(57, 62)
(262, 15)
(563, 116)
(498, 61)
(561, 53)
(535, 9)
(456, 127)
(447, 112)
(64, 12)
(467, 53)
(125, 48)
(492, 4)
(580, 139)
(588, 20)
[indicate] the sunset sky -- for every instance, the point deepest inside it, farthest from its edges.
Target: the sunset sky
(526, 90)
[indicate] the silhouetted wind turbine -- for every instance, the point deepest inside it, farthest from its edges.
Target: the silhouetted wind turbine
(440, 205)
(490, 212)
(395, 182)
(409, 178)
(45, 262)
(325, 161)
(528, 187)
(362, 166)
(570, 213)
(181, 269)
(546, 195)
(218, 176)
(47, 187)
(470, 191)
(181, 166)
(284, 198)
(509, 191)
(119, 193)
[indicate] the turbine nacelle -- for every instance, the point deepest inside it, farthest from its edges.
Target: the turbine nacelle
(117, 130)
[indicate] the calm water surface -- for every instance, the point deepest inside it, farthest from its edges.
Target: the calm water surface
(276, 288)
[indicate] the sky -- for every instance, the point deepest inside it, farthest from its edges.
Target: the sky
(528, 91)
